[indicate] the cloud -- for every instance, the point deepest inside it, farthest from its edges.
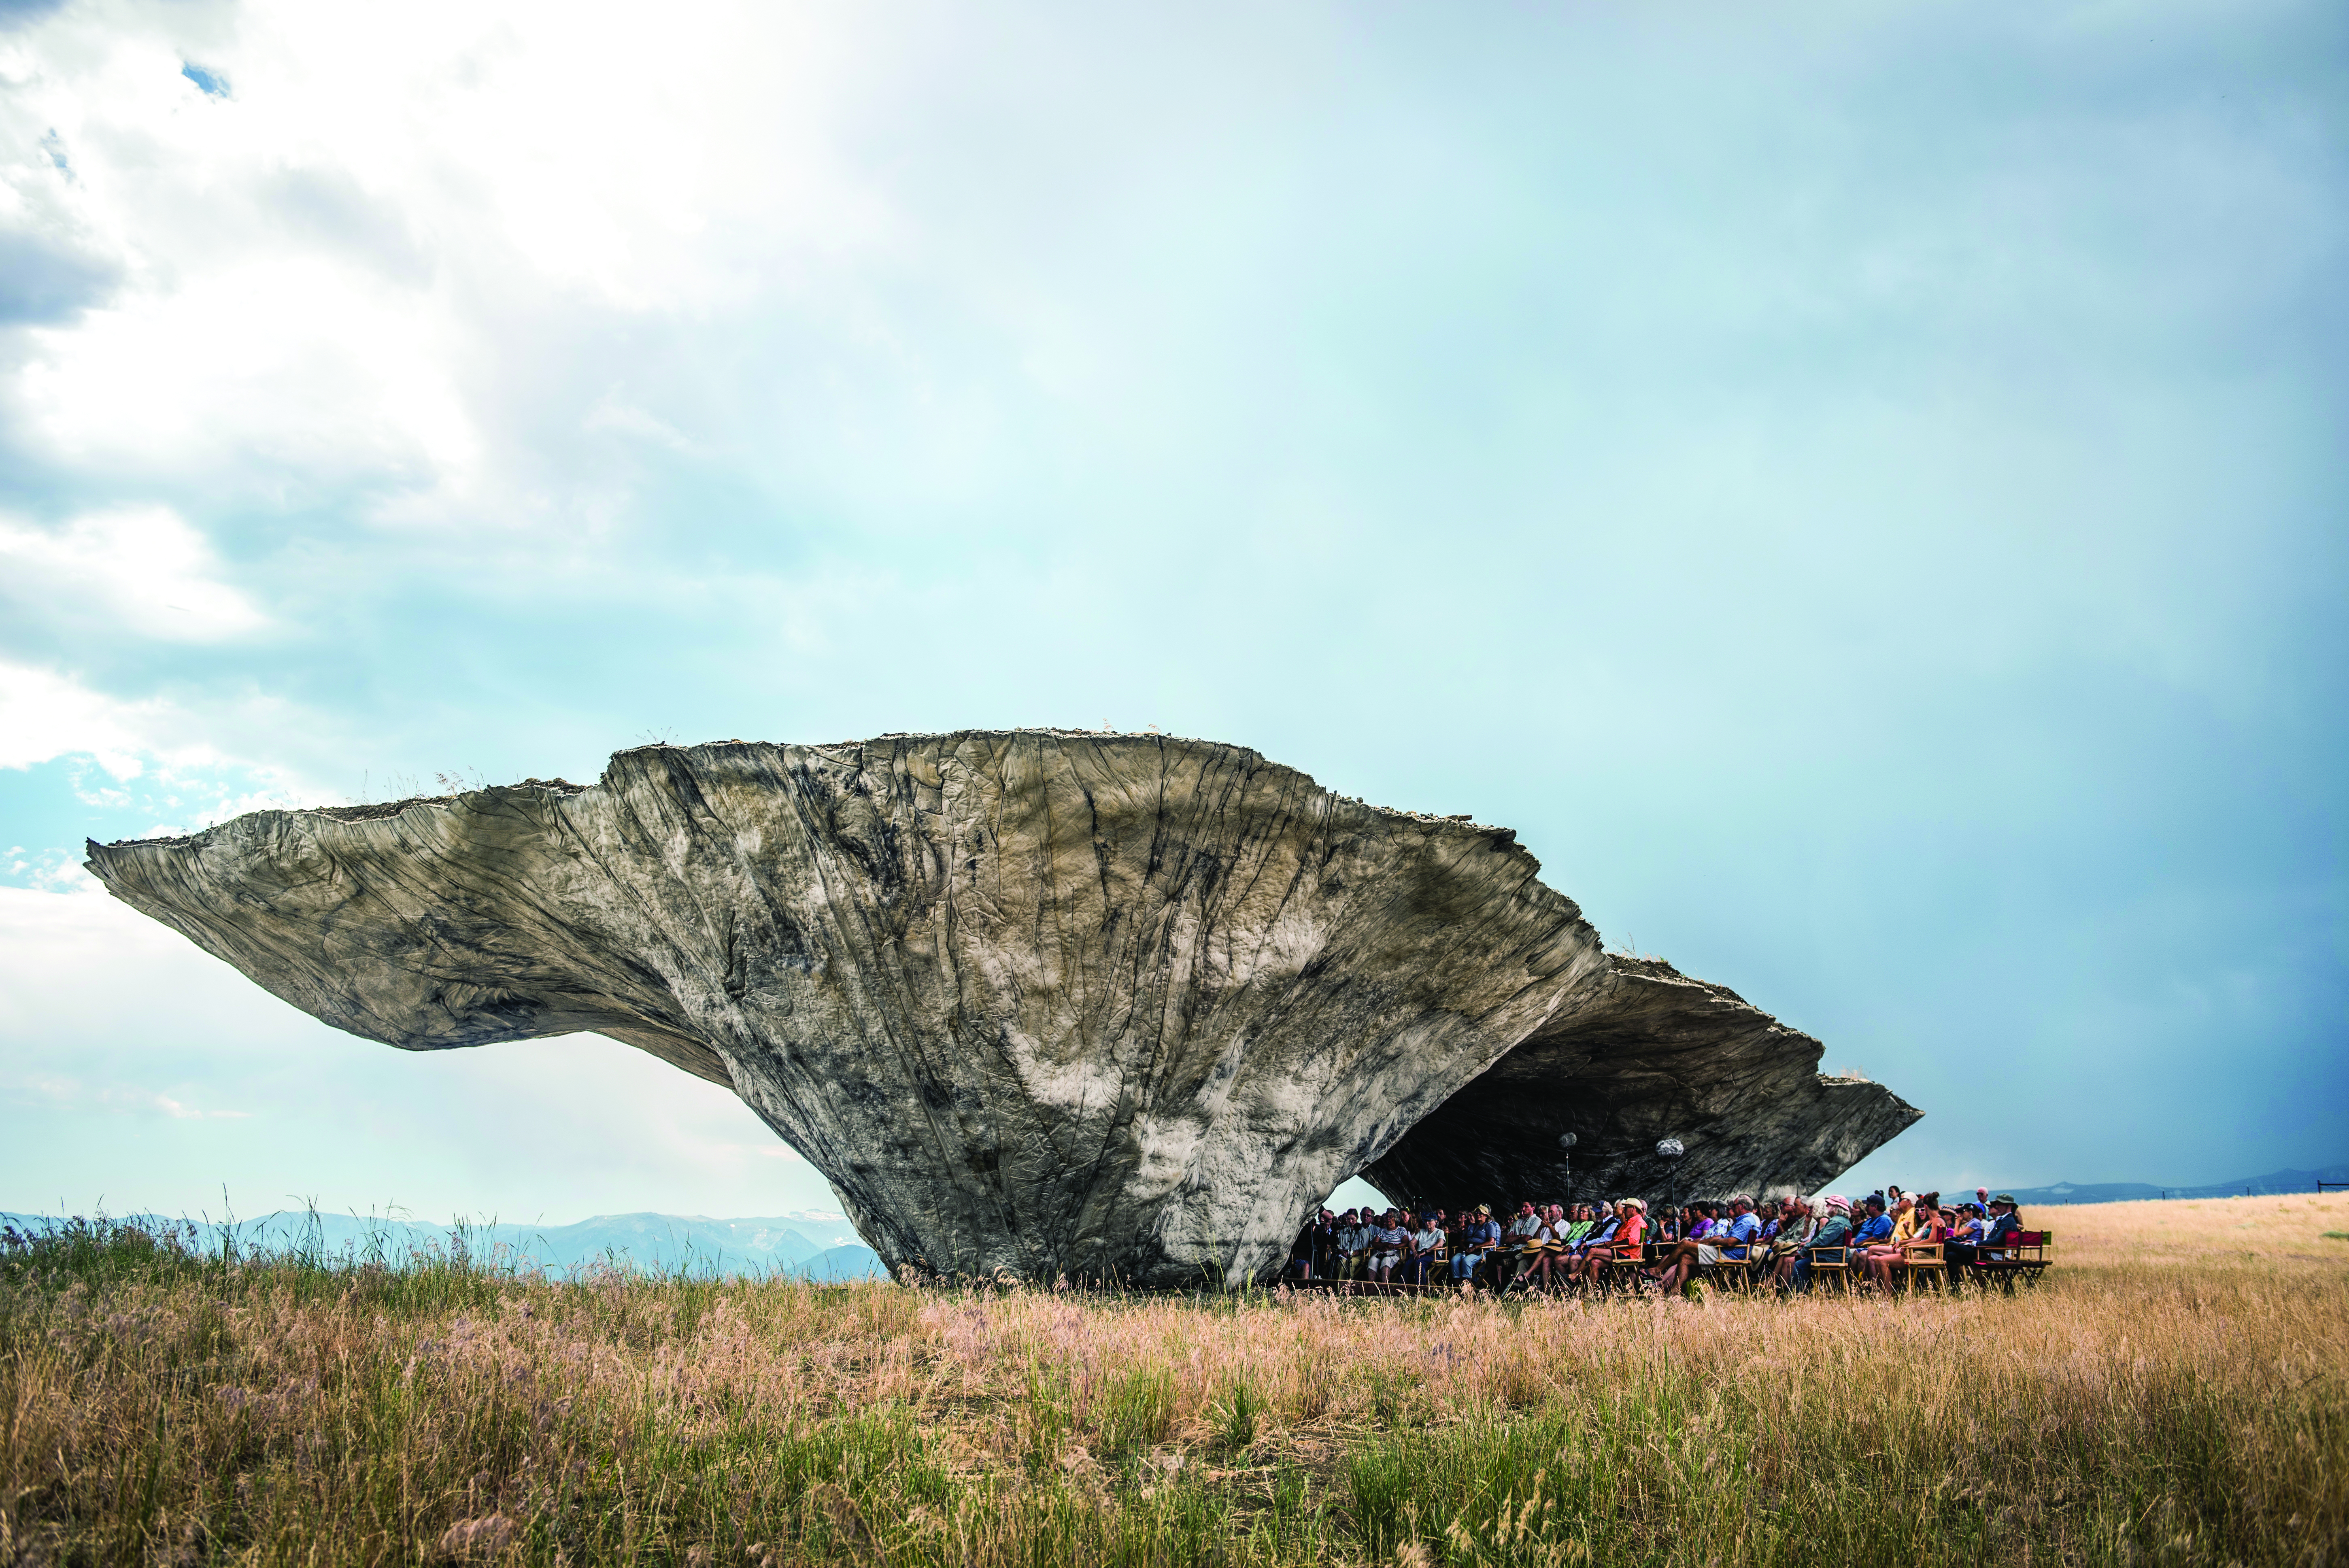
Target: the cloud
(49, 1092)
(42, 281)
(1883, 470)
(45, 714)
(142, 568)
(23, 13)
(161, 775)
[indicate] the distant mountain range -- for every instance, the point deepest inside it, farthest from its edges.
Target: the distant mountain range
(812, 1243)
(820, 1243)
(2131, 1191)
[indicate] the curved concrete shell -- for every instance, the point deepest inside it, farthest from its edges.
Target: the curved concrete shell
(1111, 1007)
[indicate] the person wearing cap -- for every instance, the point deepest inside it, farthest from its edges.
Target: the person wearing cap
(1875, 1228)
(2006, 1219)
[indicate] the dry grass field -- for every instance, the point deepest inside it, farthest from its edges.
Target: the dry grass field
(2176, 1393)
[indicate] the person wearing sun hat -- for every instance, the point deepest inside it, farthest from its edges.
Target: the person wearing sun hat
(1625, 1241)
(1479, 1237)
(2006, 1219)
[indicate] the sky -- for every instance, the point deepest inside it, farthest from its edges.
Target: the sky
(1859, 489)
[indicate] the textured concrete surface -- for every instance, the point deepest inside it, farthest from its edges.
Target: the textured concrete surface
(1036, 1002)
(1651, 1055)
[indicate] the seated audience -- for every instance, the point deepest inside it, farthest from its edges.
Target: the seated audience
(1920, 1226)
(1731, 1240)
(1388, 1243)
(1604, 1220)
(1792, 1232)
(1477, 1242)
(1508, 1263)
(1625, 1239)
(1427, 1243)
(1874, 1234)
(1833, 1230)
(2006, 1219)
(1355, 1232)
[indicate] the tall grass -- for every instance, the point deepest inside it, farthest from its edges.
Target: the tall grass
(164, 1403)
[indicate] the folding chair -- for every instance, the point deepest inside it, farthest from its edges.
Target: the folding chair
(1830, 1265)
(1927, 1260)
(2024, 1255)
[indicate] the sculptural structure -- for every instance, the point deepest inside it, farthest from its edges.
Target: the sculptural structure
(1038, 1002)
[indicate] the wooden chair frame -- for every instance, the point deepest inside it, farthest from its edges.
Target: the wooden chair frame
(1821, 1267)
(1732, 1273)
(1924, 1256)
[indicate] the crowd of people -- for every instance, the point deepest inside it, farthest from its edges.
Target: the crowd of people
(1783, 1242)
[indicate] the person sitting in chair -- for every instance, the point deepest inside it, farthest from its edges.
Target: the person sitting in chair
(1388, 1243)
(1991, 1242)
(1833, 1230)
(1731, 1241)
(1791, 1233)
(1625, 1238)
(1604, 1222)
(1477, 1241)
(1354, 1233)
(1873, 1233)
(1508, 1262)
(1426, 1243)
(1924, 1229)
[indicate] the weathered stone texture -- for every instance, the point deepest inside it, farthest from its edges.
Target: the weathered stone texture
(1034, 1001)
(1646, 1056)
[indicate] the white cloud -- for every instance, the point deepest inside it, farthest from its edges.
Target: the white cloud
(49, 1092)
(45, 714)
(323, 275)
(144, 568)
(152, 749)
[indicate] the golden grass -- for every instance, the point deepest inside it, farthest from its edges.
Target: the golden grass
(2175, 1393)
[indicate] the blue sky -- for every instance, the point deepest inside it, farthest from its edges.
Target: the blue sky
(1861, 490)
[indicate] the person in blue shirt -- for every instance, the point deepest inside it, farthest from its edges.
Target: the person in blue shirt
(1730, 1240)
(1875, 1230)
(1479, 1236)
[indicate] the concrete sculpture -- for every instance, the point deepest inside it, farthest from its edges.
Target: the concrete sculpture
(1038, 1002)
